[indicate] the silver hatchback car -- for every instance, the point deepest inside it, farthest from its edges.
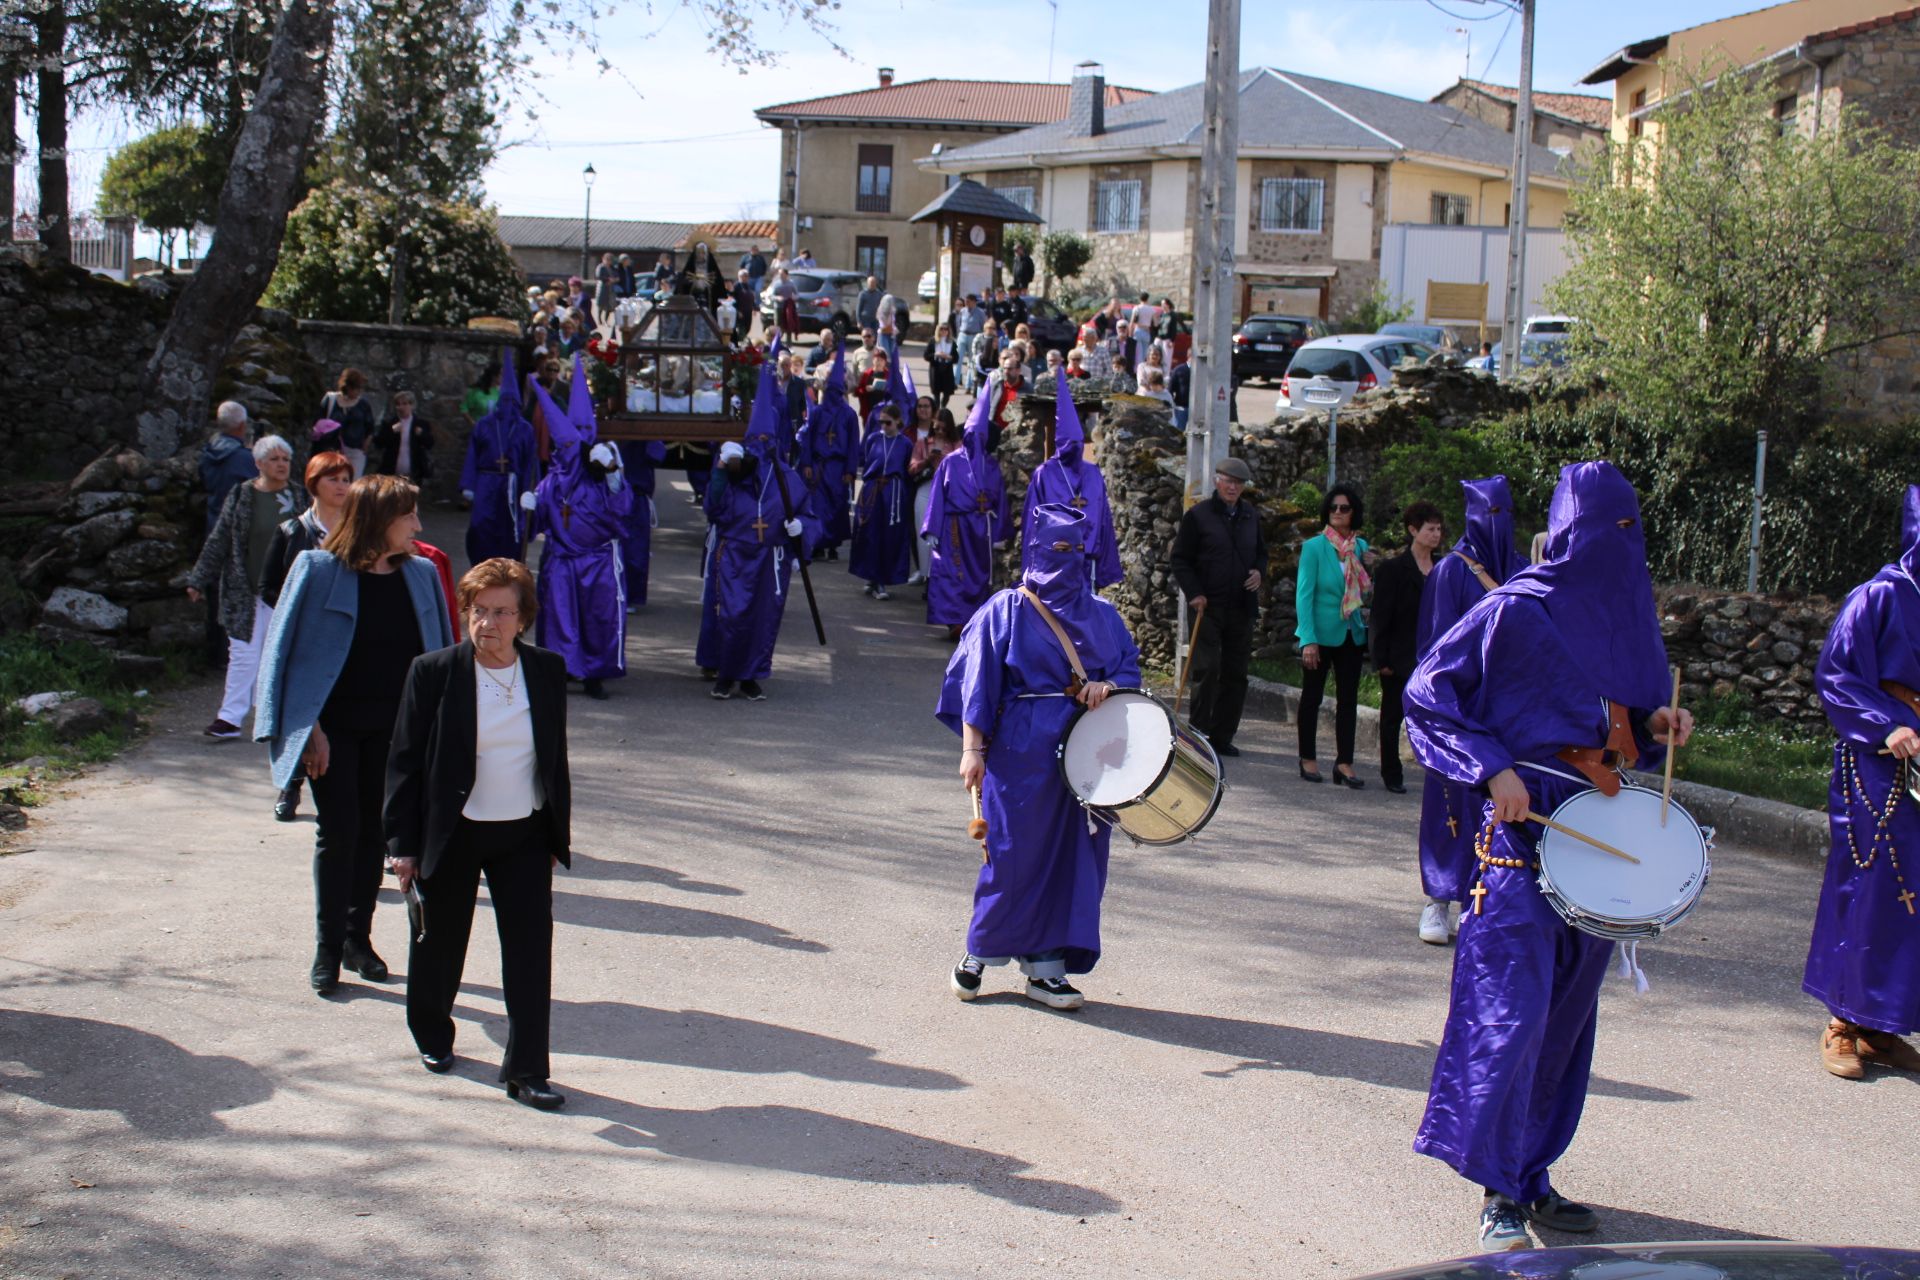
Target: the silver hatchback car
(828, 300)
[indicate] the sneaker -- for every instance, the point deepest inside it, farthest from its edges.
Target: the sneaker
(965, 978)
(1055, 993)
(753, 691)
(1503, 1226)
(221, 729)
(1887, 1049)
(1433, 924)
(1556, 1211)
(1840, 1050)
(721, 689)
(881, 593)
(915, 578)
(868, 589)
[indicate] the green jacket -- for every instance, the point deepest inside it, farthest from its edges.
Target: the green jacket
(1316, 595)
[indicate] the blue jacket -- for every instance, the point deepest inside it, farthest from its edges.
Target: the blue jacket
(1318, 587)
(307, 646)
(225, 462)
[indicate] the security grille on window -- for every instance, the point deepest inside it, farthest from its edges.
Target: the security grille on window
(1450, 211)
(1022, 196)
(1116, 206)
(875, 191)
(1291, 204)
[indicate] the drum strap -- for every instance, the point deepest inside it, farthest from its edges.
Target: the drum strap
(1601, 765)
(1904, 694)
(1066, 642)
(1479, 571)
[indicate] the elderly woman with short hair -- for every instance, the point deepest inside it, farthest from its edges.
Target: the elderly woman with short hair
(477, 783)
(234, 559)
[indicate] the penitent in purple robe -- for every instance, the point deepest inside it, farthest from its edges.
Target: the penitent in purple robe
(1524, 674)
(829, 450)
(750, 558)
(502, 463)
(1448, 811)
(883, 517)
(1864, 964)
(1068, 478)
(966, 516)
(1039, 893)
(640, 461)
(582, 589)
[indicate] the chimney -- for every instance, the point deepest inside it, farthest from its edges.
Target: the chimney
(1087, 101)
(886, 77)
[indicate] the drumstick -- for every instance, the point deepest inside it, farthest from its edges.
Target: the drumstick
(1187, 666)
(1673, 729)
(1581, 836)
(977, 828)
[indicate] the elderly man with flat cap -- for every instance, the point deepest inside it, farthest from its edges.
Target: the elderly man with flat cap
(1219, 560)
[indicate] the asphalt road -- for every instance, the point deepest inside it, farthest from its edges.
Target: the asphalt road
(766, 1073)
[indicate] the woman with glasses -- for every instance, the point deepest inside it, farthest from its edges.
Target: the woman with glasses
(477, 783)
(1330, 595)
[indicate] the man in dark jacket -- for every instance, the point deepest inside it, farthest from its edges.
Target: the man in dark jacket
(1022, 267)
(1219, 560)
(1394, 624)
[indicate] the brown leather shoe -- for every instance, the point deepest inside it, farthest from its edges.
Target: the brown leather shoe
(1887, 1050)
(1840, 1050)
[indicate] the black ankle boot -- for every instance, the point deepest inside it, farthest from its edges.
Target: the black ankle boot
(287, 807)
(325, 974)
(359, 956)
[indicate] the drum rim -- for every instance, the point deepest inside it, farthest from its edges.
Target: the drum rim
(1213, 805)
(1634, 926)
(1060, 748)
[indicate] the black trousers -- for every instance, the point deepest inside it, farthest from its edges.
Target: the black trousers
(1220, 672)
(519, 874)
(1393, 711)
(1344, 659)
(349, 847)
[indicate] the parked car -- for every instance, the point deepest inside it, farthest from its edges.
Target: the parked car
(1053, 329)
(827, 300)
(1433, 335)
(1264, 344)
(929, 286)
(1536, 351)
(1363, 358)
(1539, 326)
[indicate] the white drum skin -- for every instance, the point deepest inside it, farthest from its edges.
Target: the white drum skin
(1608, 896)
(1118, 750)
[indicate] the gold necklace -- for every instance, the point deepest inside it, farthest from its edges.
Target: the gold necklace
(506, 686)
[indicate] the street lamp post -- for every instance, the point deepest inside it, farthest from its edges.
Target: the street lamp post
(586, 231)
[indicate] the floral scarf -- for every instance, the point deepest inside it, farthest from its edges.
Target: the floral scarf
(1354, 593)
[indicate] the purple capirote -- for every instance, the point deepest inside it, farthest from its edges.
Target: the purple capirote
(829, 455)
(1068, 478)
(966, 517)
(502, 463)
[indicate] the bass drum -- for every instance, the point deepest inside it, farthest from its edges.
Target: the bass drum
(1132, 765)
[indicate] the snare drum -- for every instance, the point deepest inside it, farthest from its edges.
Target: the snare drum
(1600, 894)
(1132, 765)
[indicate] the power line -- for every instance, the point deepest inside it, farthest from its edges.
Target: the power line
(1461, 17)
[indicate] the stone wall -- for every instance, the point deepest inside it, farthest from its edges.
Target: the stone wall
(1762, 648)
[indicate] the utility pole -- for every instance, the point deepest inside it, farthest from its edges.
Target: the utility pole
(1510, 325)
(1213, 285)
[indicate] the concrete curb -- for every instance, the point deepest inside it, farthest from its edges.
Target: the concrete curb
(1767, 825)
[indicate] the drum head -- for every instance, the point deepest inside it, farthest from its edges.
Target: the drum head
(1671, 871)
(1117, 751)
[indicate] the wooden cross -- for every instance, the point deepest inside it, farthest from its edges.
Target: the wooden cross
(981, 498)
(759, 527)
(1078, 501)
(1453, 825)
(1906, 900)
(566, 514)
(1479, 892)
(501, 464)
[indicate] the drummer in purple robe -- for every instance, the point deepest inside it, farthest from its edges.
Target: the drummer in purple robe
(1864, 964)
(1068, 478)
(1482, 559)
(829, 454)
(640, 461)
(966, 517)
(502, 464)
(883, 515)
(582, 506)
(756, 507)
(1010, 693)
(1546, 685)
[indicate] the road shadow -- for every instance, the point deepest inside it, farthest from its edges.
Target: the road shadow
(587, 868)
(1264, 1046)
(800, 1140)
(630, 915)
(80, 1064)
(1631, 1225)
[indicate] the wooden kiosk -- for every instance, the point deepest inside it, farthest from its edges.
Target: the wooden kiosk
(970, 219)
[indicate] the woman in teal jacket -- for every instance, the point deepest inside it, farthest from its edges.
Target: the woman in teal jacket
(1330, 595)
(351, 620)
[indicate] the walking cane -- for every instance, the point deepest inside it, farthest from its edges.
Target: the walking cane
(1181, 691)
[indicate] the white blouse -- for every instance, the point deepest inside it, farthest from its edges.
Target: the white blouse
(506, 781)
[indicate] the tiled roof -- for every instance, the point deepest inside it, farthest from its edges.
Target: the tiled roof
(1582, 108)
(749, 229)
(1860, 28)
(1004, 102)
(969, 197)
(616, 235)
(1281, 112)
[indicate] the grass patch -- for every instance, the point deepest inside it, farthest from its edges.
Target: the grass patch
(28, 666)
(1289, 671)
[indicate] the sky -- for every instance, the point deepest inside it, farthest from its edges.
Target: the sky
(671, 134)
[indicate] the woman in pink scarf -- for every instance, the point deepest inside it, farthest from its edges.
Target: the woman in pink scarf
(1330, 596)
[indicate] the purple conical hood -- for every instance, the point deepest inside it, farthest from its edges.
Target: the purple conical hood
(559, 430)
(509, 384)
(837, 376)
(1056, 570)
(973, 437)
(1488, 538)
(1069, 438)
(580, 403)
(900, 391)
(763, 423)
(504, 414)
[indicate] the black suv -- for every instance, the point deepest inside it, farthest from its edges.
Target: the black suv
(1264, 344)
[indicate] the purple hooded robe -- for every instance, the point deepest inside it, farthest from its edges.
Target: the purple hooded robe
(1525, 673)
(1069, 479)
(1039, 893)
(750, 558)
(1448, 810)
(829, 449)
(1864, 964)
(502, 463)
(582, 591)
(883, 516)
(966, 515)
(640, 459)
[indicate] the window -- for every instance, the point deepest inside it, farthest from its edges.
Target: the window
(1786, 115)
(1022, 196)
(1291, 204)
(874, 194)
(870, 256)
(1450, 211)
(1639, 101)
(1116, 205)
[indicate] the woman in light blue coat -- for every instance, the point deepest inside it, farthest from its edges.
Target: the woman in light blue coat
(1330, 596)
(352, 618)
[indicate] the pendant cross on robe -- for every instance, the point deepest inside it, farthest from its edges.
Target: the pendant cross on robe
(1906, 900)
(1078, 501)
(566, 514)
(981, 499)
(1453, 825)
(759, 527)
(501, 464)
(1479, 892)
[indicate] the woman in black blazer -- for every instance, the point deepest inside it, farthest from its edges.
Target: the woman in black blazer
(477, 782)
